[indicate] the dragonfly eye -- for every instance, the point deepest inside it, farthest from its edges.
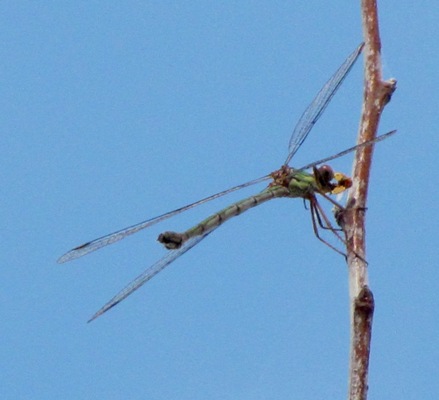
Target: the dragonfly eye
(325, 175)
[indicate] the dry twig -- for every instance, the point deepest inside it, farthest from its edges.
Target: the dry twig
(376, 95)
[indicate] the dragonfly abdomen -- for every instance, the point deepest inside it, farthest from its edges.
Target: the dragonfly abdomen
(174, 240)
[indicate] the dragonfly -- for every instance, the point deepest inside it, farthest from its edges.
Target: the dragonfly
(285, 182)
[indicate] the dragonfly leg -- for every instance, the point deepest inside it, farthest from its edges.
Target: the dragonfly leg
(336, 204)
(326, 226)
(316, 214)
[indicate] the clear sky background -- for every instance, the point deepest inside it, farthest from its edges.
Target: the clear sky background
(115, 112)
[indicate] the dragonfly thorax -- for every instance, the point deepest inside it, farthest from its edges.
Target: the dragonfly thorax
(305, 184)
(301, 183)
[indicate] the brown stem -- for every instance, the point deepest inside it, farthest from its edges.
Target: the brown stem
(376, 95)
(362, 324)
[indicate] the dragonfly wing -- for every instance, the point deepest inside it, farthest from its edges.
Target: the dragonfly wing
(161, 264)
(351, 149)
(96, 244)
(318, 105)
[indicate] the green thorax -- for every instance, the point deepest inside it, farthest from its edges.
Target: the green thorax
(304, 184)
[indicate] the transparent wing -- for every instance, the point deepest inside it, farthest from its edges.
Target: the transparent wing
(318, 105)
(302, 129)
(351, 149)
(144, 277)
(172, 255)
(96, 244)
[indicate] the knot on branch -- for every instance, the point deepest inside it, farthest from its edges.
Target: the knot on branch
(387, 89)
(364, 303)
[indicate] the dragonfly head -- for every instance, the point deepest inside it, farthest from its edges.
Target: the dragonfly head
(330, 181)
(324, 176)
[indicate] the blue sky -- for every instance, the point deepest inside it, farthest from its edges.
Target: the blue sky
(114, 112)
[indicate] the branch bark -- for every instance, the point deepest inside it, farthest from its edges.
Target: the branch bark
(376, 95)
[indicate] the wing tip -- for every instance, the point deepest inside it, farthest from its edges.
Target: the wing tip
(69, 256)
(103, 310)
(64, 258)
